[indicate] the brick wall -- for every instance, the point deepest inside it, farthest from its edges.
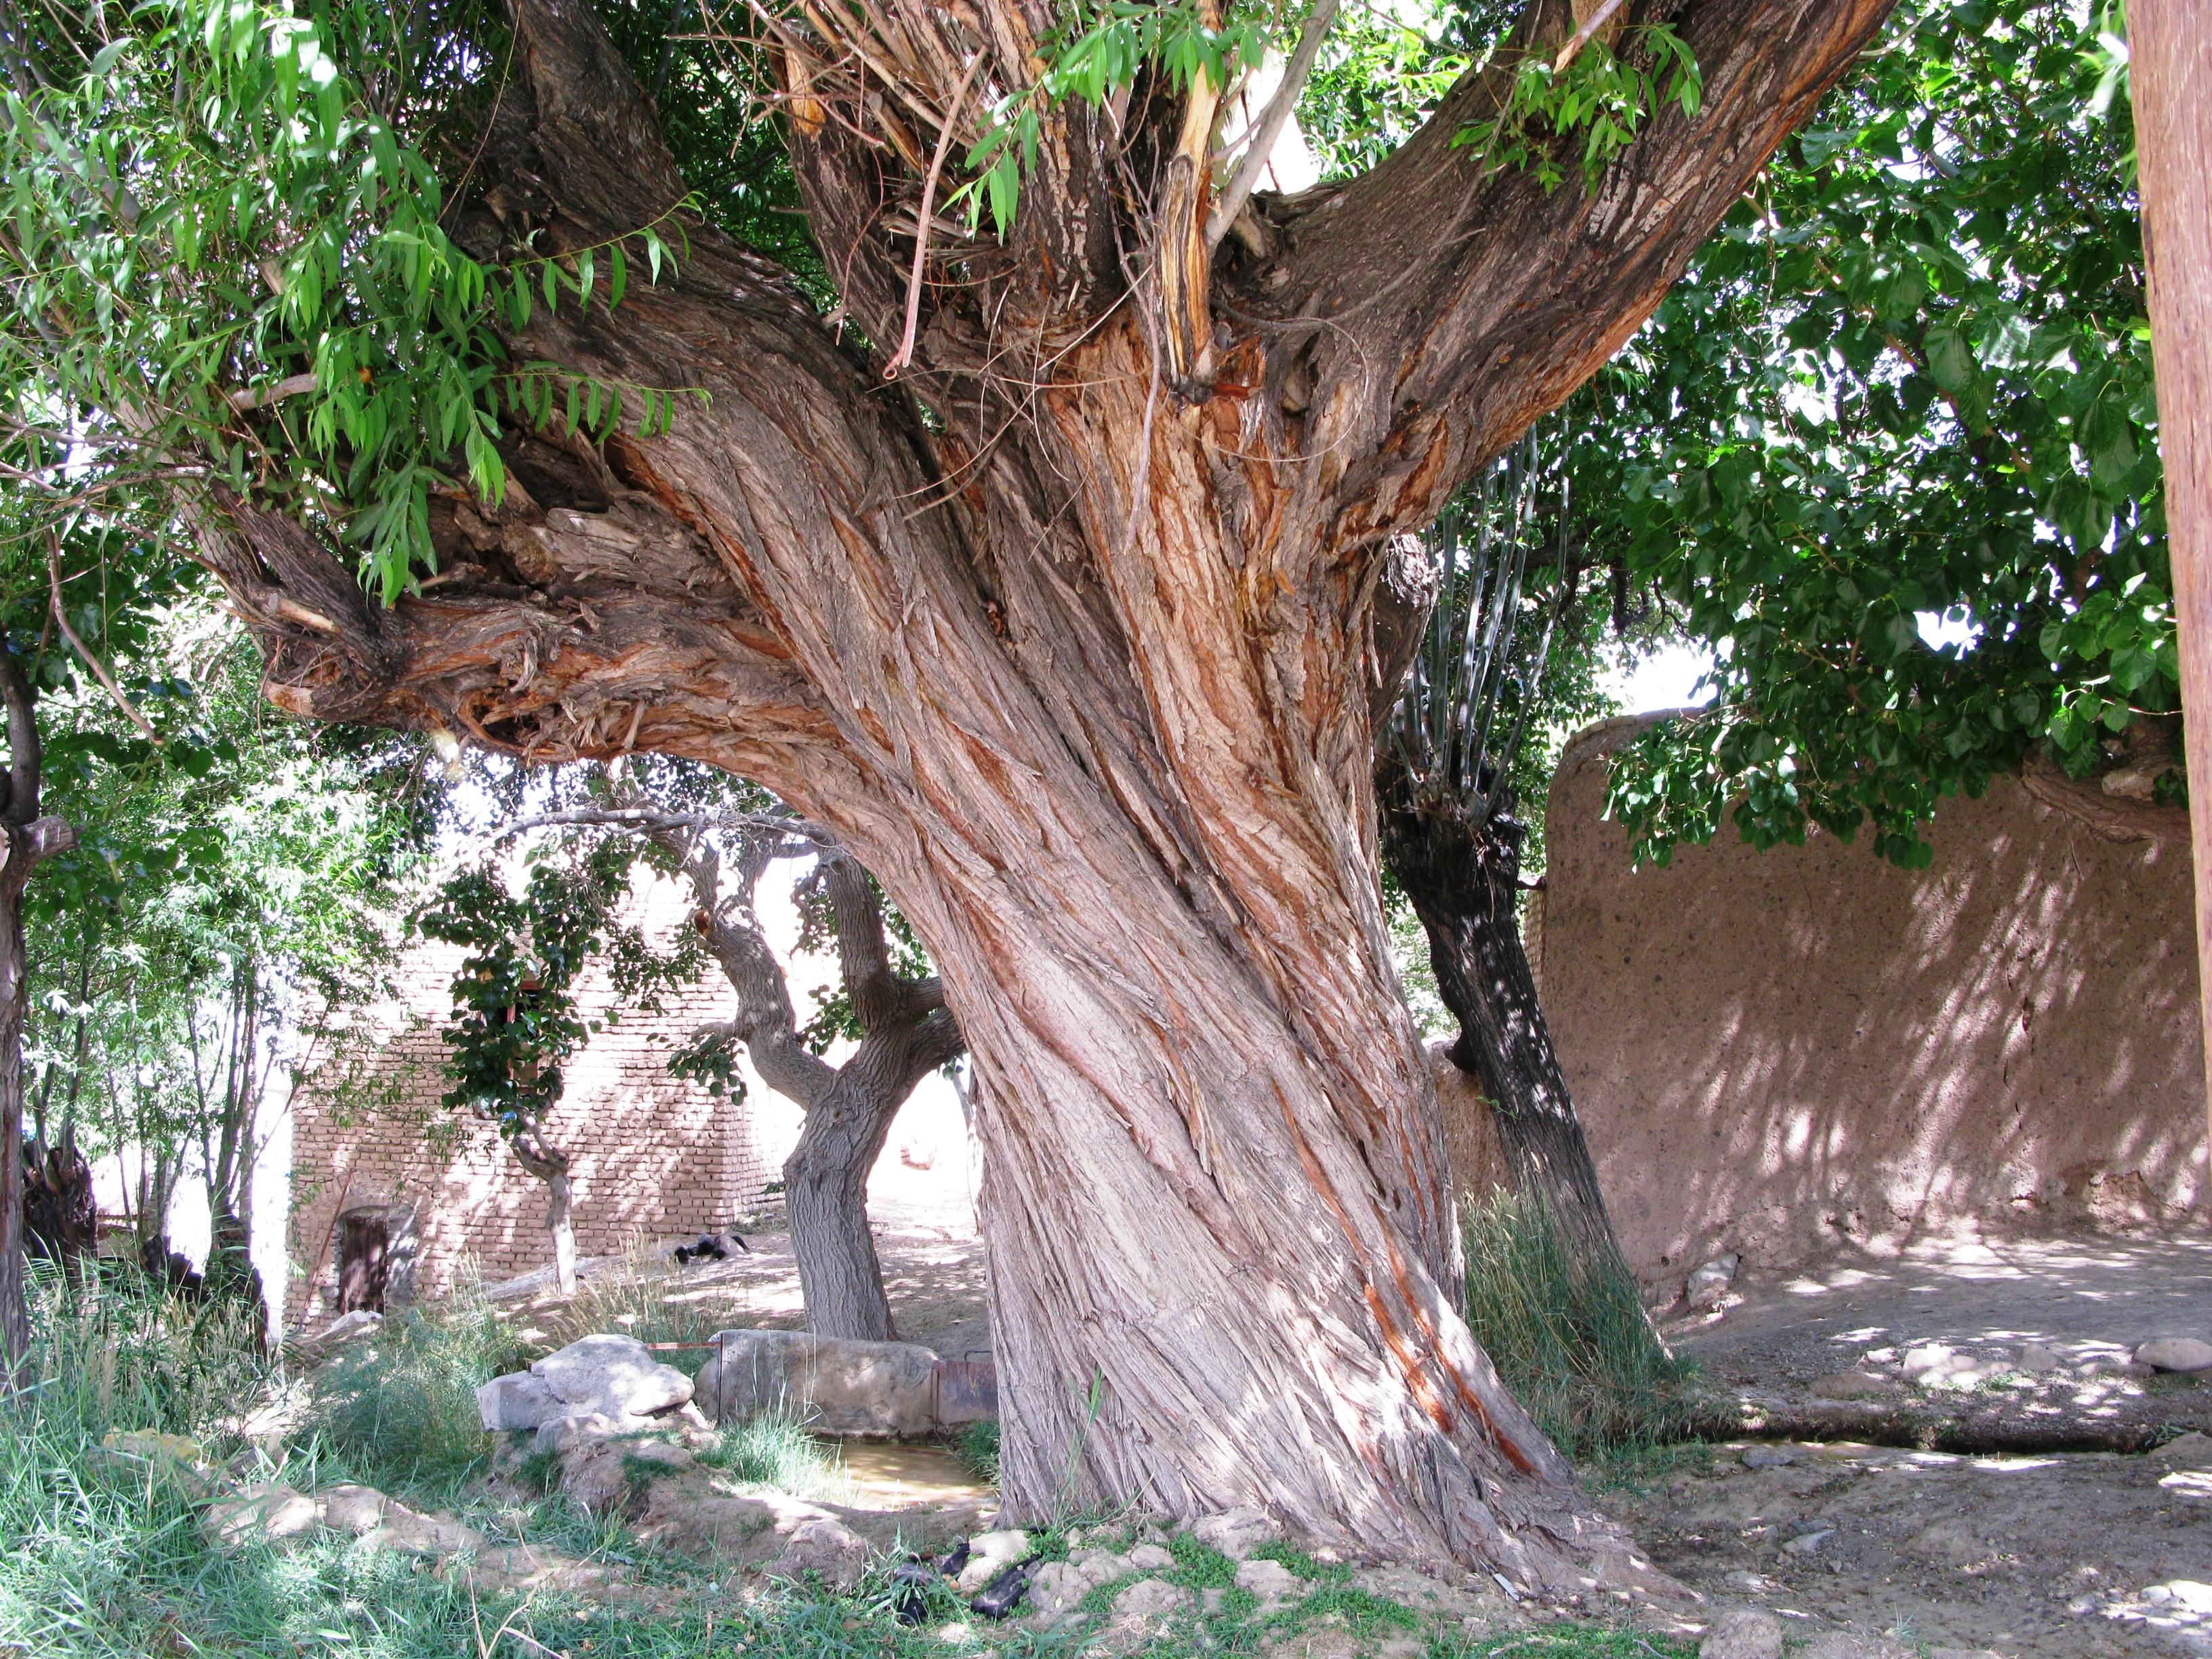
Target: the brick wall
(653, 1158)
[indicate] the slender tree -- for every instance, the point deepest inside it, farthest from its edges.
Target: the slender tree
(1040, 568)
(1449, 833)
(901, 1030)
(26, 841)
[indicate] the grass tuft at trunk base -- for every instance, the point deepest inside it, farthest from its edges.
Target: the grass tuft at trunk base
(1570, 1335)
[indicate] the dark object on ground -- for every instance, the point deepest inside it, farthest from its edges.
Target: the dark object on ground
(711, 1247)
(60, 1221)
(174, 1270)
(953, 1565)
(1003, 1593)
(910, 1585)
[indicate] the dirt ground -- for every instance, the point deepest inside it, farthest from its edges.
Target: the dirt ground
(1921, 1481)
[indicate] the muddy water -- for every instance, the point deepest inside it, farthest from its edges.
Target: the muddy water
(904, 1473)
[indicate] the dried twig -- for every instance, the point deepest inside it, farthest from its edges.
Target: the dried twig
(99, 668)
(904, 355)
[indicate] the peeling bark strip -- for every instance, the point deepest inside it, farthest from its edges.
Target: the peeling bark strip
(1080, 665)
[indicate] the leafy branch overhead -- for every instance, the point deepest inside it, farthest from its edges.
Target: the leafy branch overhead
(1892, 448)
(258, 281)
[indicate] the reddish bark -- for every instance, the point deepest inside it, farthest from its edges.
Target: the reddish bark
(1069, 634)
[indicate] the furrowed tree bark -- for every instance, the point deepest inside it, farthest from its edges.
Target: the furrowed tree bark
(27, 840)
(1463, 880)
(2171, 57)
(1078, 659)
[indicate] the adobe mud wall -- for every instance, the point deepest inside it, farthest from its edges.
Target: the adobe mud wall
(1786, 1052)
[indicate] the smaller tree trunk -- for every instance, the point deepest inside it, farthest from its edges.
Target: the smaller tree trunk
(540, 1157)
(25, 840)
(562, 1228)
(826, 1194)
(1463, 880)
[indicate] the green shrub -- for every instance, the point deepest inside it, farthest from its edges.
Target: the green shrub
(1570, 1338)
(401, 1402)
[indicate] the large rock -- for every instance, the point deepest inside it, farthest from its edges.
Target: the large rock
(836, 1387)
(786, 1537)
(2176, 1353)
(615, 1377)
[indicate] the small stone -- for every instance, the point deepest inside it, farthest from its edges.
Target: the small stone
(2036, 1358)
(1057, 1589)
(1270, 1581)
(1000, 1547)
(1929, 1361)
(1151, 1598)
(2175, 1353)
(1150, 1557)
(660, 1452)
(1101, 1567)
(261, 1514)
(1768, 1457)
(827, 1549)
(1236, 1532)
(1842, 1644)
(1805, 1543)
(1711, 1282)
(1211, 1599)
(557, 1434)
(1743, 1633)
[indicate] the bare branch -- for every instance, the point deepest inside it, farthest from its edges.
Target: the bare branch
(99, 668)
(1273, 120)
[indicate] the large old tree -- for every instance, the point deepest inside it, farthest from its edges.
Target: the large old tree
(1066, 629)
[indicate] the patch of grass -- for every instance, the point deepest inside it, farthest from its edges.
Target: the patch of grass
(1641, 1467)
(1571, 1338)
(401, 1403)
(977, 1446)
(774, 1450)
(636, 1296)
(1367, 1615)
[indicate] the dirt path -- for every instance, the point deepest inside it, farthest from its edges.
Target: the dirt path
(2047, 1556)
(1968, 1346)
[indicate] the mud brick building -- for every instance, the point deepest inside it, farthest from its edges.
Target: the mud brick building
(397, 1197)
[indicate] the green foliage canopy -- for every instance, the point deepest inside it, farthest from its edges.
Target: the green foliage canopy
(1911, 378)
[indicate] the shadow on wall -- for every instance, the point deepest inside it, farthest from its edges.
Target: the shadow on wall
(1788, 1052)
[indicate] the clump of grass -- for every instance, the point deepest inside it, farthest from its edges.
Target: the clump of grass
(636, 1296)
(774, 1450)
(1569, 1336)
(977, 1446)
(402, 1403)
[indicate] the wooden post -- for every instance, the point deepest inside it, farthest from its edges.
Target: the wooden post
(2171, 69)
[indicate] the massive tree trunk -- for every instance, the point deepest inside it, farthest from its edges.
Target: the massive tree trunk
(1067, 635)
(1463, 879)
(2173, 137)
